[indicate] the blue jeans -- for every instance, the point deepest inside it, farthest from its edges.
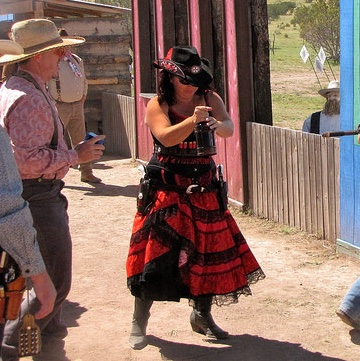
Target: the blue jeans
(351, 302)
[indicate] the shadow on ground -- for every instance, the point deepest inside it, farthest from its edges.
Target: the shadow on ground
(71, 311)
(106, 190)
(53, 348)
(242, 347)
(355, 336)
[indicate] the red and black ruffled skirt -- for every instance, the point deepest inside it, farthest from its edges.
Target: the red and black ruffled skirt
(186, 245)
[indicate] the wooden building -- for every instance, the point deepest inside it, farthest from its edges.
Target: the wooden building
(233, 34)
(106, 52)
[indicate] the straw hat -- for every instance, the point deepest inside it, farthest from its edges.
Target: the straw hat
(10, 47)
(334, 86)
(185, 62)
(37, 36)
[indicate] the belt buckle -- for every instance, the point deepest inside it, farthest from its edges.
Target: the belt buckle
(194, 188)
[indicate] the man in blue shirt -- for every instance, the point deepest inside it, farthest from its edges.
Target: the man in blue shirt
(17, 234)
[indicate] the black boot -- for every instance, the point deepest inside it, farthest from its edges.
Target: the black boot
(202, 322)
(141, 315)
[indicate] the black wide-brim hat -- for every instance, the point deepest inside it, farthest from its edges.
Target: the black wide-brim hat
(185, 62)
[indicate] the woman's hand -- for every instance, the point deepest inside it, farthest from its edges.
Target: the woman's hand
(213, 123)
(219, 120)
(201, 113)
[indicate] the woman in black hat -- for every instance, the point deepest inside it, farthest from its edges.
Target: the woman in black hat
(185, 243)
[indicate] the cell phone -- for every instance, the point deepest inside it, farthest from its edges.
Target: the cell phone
(90, 135)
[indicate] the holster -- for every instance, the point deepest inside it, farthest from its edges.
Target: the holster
(222, 194)
(12, 287)
(14, 294)
(144, 198)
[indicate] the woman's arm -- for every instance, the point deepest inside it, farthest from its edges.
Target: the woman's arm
(220, 119)
(158, 121)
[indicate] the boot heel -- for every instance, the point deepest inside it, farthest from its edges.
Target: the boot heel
(205, 325)
(195, 327)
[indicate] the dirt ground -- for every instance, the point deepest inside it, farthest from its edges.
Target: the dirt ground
(289, 317)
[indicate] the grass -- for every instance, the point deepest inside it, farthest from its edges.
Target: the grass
(294, 85)
(290, 110)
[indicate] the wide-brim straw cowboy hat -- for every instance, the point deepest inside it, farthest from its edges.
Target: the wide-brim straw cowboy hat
(334, 86)
(10, 47)
(185, 62)
(37, 36)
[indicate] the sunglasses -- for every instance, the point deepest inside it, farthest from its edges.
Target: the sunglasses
(184, 81)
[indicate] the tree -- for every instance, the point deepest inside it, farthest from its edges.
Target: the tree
(320, 26)
(280, 8)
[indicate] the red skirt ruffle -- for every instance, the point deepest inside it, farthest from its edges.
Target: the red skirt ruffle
(188, 247)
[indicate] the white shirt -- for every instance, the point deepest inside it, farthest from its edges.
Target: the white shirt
(72, 85)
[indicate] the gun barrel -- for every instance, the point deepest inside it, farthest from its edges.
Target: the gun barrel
(340, 133)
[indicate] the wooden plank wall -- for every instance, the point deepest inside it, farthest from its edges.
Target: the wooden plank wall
(106, 57)
(119, 124)
(294, 179)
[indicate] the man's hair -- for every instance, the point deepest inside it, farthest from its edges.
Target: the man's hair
(332, 107)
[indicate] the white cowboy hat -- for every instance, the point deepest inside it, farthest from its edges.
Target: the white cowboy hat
(334, 86)
(37, 36)
(10, 47)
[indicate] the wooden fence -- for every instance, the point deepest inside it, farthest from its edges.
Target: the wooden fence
(293, 176)
(119, 124)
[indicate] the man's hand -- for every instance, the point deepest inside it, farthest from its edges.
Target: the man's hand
(45, 293)
(89, 150)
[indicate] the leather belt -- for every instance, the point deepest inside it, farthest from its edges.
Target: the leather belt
(40, 180)
(180, 150)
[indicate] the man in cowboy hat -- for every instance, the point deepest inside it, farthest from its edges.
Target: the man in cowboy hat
(31, 119)
(17, 234)
(327, 120)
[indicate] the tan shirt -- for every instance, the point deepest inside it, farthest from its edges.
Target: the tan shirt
(71, 85)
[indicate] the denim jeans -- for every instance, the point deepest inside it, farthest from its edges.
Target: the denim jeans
(351, 302)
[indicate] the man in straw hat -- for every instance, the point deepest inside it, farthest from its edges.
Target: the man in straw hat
(327, 120)
(31, 119)
(17, 234)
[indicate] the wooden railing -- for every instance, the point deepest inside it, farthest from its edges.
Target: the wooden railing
(294, 178)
